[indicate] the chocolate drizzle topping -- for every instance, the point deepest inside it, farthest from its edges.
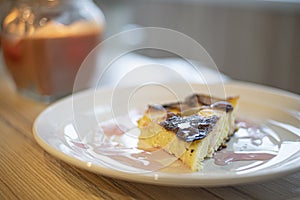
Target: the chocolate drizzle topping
(222, 105)
(197, 102)
(189, 128)
(183, 117)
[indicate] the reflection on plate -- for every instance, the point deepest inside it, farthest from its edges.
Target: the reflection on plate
(96, 131)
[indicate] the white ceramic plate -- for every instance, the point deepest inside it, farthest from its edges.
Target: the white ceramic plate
(72, 130)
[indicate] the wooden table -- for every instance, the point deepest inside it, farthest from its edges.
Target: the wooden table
(28, 172)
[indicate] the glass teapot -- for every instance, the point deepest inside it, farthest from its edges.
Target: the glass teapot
(44, 43)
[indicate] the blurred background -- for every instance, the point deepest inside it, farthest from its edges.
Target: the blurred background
(256, 41)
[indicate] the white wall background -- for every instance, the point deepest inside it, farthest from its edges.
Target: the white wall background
(257, 41)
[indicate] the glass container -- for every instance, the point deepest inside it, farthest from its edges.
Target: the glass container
(44, 43)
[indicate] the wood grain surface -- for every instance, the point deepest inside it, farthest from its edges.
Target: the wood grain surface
(28, 172)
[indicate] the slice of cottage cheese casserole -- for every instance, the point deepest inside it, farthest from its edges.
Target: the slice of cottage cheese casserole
(191, 130)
